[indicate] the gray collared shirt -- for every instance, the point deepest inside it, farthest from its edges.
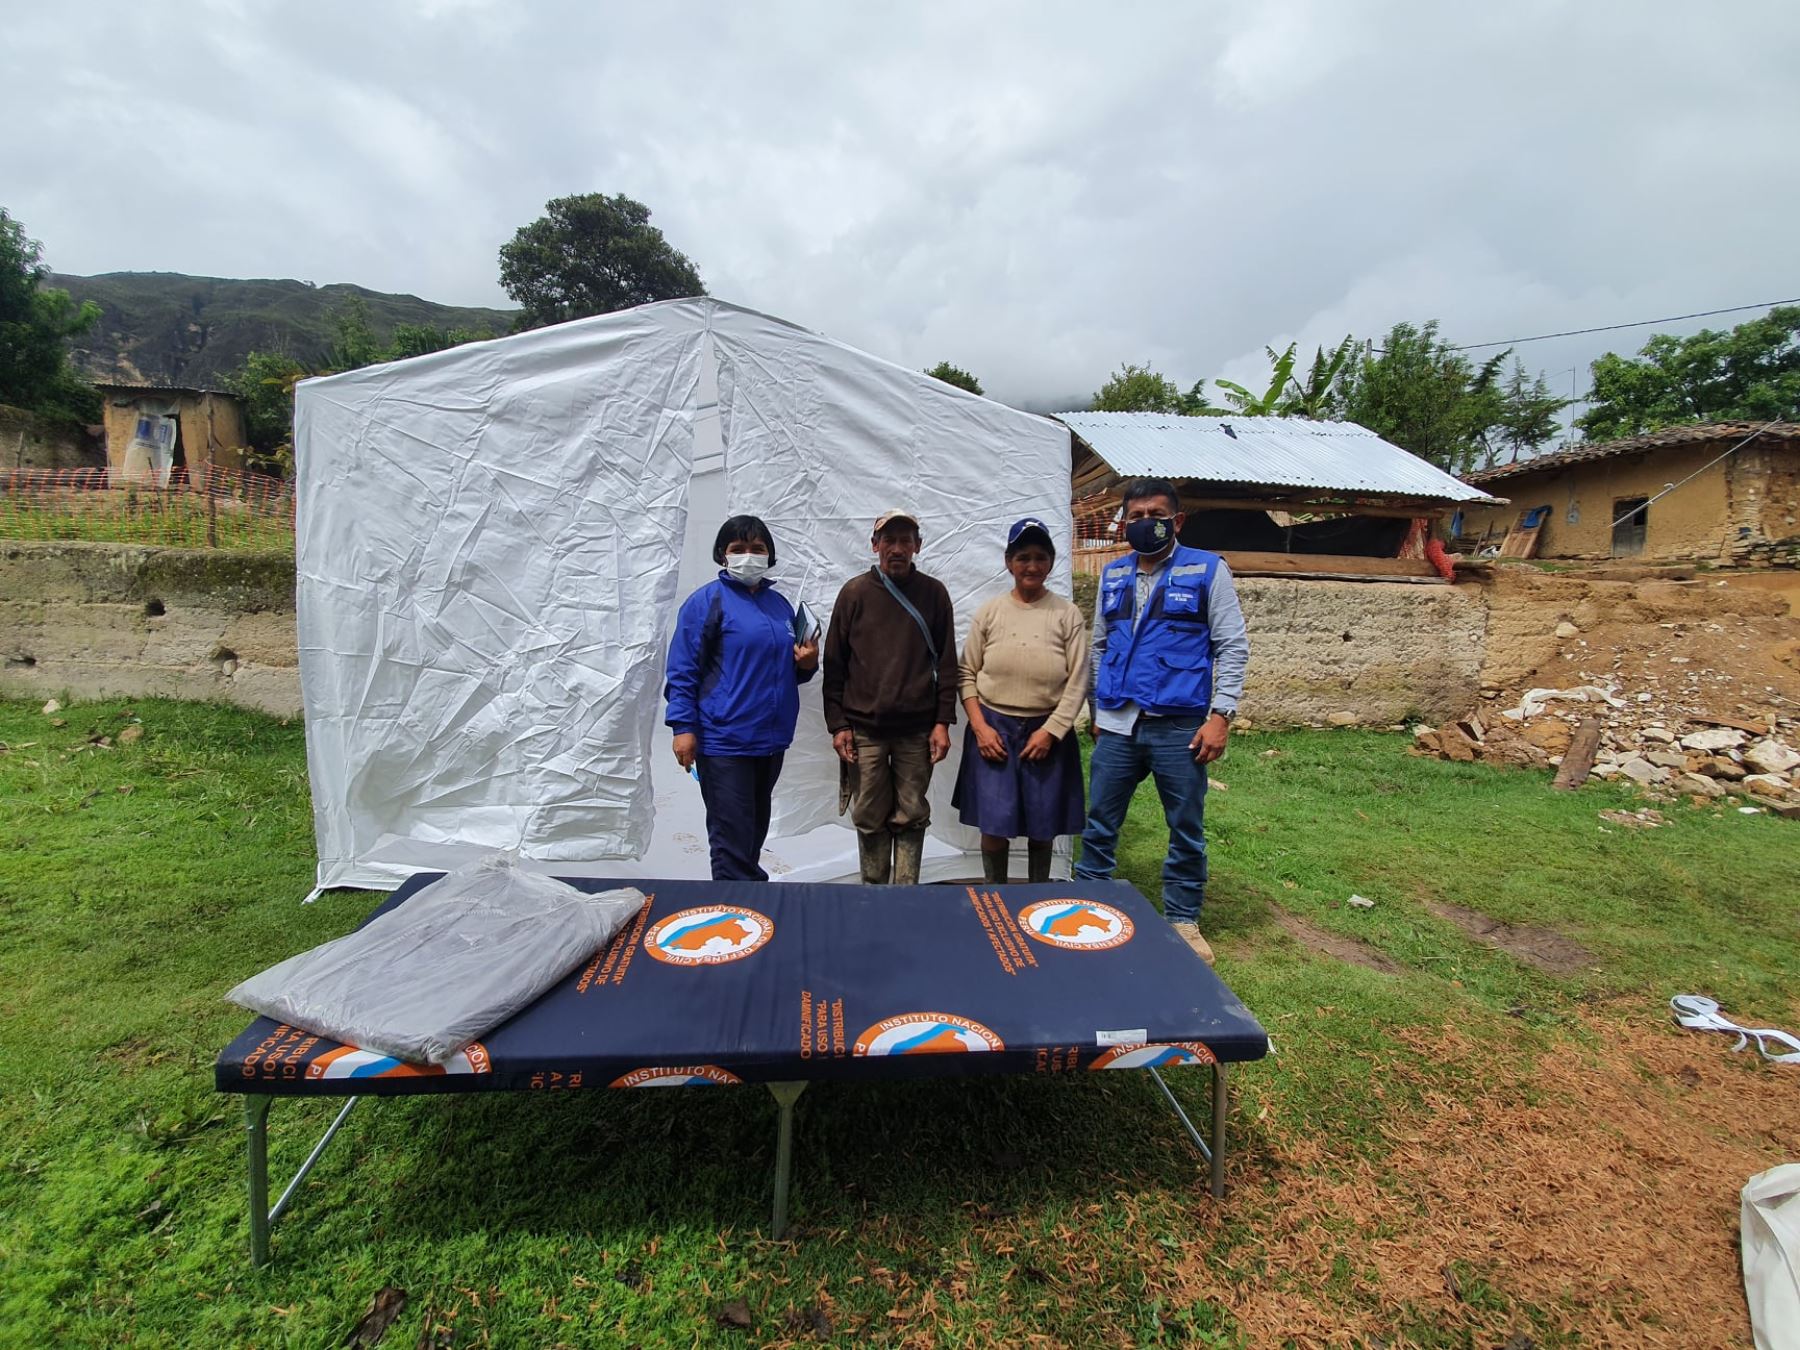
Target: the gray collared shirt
(1225, 625)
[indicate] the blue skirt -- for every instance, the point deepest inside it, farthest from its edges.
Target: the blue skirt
(1039, 799)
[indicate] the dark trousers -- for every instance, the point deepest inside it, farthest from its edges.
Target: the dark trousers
(739, 791)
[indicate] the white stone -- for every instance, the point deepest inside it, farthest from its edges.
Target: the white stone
(1639, 770)
(1714, 739)
(1666, 759)
(1770, 785)
(1771, 756)
(1700, 785)
(1565, 629)
(1661, 735)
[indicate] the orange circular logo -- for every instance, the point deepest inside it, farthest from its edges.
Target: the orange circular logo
(1076, 925)
(696, 1075)
(708, 936)
(1164, 1055)
(926, 1033)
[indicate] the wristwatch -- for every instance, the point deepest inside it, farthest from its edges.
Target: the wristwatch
(1229, 714)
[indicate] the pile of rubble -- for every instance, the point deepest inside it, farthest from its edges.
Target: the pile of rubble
(1696, 754)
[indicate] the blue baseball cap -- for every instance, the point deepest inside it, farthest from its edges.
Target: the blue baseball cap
(1030, 530)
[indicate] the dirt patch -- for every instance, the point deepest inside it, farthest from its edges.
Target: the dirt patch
(1600, 1191)
(1327, 943)
(1544, 948)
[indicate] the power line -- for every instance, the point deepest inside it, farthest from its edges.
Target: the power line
(1615, 327)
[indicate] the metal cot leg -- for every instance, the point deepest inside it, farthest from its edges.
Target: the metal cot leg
(1221, 1105)
(256, 1136)
(785, 1094)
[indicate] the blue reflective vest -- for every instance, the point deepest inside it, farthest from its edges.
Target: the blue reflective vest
(1164, 664)
(731, 676)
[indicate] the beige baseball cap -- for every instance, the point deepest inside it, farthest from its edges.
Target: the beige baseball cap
(892, 514)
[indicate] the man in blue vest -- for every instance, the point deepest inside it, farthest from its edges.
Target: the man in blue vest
(1170, 649)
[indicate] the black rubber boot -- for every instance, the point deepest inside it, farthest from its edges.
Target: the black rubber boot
(993, 866)
(1037, 861)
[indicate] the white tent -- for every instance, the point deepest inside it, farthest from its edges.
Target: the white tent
(493, 541)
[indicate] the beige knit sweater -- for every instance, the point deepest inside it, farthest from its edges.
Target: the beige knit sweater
(1028, 660)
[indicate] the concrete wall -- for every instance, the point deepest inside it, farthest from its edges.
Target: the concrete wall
(1692, 524)
(28, 441)
(100, 619)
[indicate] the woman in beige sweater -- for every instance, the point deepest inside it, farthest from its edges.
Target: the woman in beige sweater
(1024, 676)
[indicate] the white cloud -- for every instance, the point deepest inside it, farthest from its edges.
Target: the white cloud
(1037, 192)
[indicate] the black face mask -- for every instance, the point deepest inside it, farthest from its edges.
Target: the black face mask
(1152, 534)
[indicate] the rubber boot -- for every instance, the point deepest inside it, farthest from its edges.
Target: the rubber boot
(909, 851)
(876, 852)
(993, 866)
(1037, 860)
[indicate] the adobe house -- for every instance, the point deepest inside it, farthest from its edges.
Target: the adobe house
(1726, 493)
(169, 435)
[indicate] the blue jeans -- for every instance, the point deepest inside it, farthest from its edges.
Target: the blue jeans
(739, 792)
(1157, 746)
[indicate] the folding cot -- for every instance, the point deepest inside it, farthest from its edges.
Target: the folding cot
(722, 983)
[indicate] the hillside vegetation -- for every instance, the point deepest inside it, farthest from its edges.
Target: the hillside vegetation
(169, 328)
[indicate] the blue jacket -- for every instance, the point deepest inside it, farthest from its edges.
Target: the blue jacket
(731, 675)
(1164, 663)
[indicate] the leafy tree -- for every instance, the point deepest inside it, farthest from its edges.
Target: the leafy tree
(420, 339)
(1752, 372)
(1286, 395)
(353, 341)
(36, 323)
(1272, 400)
(265, 383)
(592, 254)
(1527, 417)
(955, 375)
(1318, 396)
(1425, 396)
(1139, 389)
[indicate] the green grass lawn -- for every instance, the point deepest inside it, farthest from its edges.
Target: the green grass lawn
(139, 881)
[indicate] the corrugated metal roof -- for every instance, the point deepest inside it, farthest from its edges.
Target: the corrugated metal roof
(1276, 452)
(1692, 433)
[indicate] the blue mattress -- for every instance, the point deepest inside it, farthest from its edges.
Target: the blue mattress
(717, 983)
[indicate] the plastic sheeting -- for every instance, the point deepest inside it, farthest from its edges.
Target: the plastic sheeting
(422, 981)
(1770, 1238)
(493, 541)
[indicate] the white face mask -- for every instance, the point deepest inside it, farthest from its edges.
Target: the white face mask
(747, 567)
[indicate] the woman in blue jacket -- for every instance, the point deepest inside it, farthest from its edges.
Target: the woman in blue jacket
(735, 671)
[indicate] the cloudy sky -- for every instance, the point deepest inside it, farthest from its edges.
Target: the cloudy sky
(1035, 191)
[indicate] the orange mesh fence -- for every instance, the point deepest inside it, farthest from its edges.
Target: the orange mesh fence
(199, 508)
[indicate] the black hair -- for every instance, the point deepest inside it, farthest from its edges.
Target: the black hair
(1140, 488)
(1031, 538)
(744, 528)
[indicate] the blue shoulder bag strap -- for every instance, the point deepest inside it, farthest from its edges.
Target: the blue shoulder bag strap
(917, 618)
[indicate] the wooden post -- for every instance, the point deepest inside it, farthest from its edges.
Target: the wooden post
(1578, 759)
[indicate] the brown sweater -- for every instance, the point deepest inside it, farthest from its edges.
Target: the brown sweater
(877, 669)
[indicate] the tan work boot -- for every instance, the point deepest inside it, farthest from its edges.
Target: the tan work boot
(909, 851)
(875, 851)
(1190, 934)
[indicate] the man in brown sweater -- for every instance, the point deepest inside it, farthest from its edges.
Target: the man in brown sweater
(890, 697)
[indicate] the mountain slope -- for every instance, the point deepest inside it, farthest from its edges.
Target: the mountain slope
(169, 328)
